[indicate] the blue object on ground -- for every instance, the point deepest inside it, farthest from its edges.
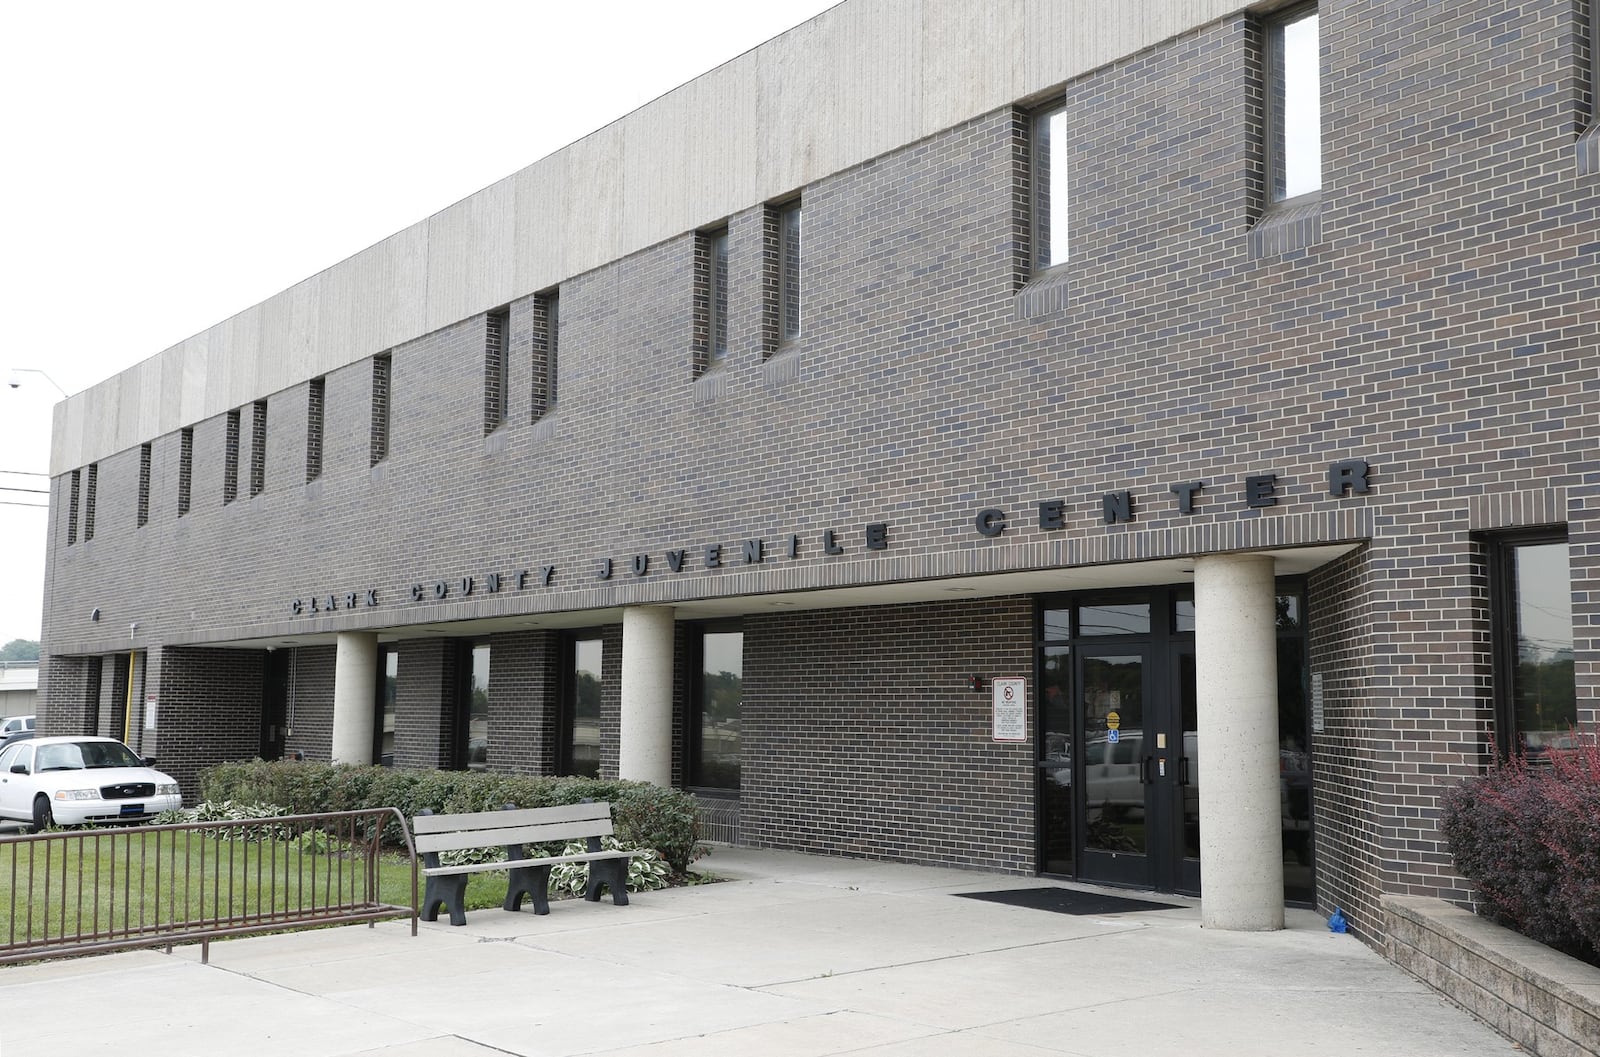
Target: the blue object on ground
(1337, 923)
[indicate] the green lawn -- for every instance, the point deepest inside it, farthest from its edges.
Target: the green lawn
(112, 883)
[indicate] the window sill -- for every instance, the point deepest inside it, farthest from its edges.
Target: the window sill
(1046, 295)
(545, 427)
(1588, 151)
(710, 387)
(1293, 224)
(783, 368)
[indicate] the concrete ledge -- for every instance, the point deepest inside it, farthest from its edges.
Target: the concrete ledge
(1535, 996)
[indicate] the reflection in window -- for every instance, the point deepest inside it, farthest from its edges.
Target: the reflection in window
(1057, 625)
(1058, 812)
(716, 756)
(583, 708)
(478, 710)
(1535, 680)
(388, 682)
(1128, 618)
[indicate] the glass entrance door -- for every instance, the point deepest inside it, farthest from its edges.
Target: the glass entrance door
(1120, 811)
(1140, 808)
(1120, 768)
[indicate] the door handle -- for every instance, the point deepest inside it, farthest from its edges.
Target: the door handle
(1183, 770)
(1144, 770)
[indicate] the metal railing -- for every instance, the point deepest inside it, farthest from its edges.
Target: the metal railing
(95, 891)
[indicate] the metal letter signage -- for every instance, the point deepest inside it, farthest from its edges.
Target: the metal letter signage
(1345, 478)
(753, 551)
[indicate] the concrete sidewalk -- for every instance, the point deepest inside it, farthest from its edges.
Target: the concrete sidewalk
(797, 956)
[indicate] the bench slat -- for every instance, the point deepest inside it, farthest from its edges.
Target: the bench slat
(517, 817)
(484, 867)
(489, 838)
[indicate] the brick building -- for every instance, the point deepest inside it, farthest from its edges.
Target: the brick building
(1101, 440)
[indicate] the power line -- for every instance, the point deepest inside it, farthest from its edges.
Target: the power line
(31, 506)
(25, 473)
(35, 491)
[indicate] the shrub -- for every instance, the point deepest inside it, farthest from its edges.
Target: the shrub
(1573, 838)
(646, 872)
(1529, 839)
(645, 815)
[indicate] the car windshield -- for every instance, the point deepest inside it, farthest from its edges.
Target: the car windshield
(77, 755)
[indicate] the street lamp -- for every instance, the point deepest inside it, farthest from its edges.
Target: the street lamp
(16, 380)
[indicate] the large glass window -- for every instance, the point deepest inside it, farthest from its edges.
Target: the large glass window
(1294, 104)
(583, 708)
(1535, 687)
(1049, 188)
(714, 755)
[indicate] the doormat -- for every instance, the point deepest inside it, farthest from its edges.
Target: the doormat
(1069, 901)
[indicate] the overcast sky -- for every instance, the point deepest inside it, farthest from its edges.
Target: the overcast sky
(168, 164)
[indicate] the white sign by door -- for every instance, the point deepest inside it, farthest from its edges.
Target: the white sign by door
(1010, 710)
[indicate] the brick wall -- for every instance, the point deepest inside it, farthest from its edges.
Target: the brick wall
(309, 705)
(862, 737)
(425, 695)
(210, 710)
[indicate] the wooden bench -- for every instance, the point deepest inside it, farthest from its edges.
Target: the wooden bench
(513, 829)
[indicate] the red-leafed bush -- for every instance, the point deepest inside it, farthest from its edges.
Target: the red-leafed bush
(1528, 837)
(1574, 834)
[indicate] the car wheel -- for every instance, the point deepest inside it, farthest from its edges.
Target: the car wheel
(42, 818)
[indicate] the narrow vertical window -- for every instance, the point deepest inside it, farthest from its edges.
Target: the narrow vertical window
(144, 485)
(496, 328)
(90, 485)
(546, 344)
(715, 745)
(382, 367)
(717, 295)
(581, 746)
(789, 271)
(1531, 608)
(72, 507)
(1589, 48)
(185, 468)
(710, 299)
(230, 460)
(472, 717)
(258, 448)
(1049, 172)
(1294, 104)
(316, 397)
(388, 696)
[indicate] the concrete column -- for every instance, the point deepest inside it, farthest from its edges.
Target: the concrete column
(355, 689)
(645, 737)
(1236, 666)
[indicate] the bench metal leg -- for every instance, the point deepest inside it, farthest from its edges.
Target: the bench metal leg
(448, 890)
(531, 881)
(608, 873)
